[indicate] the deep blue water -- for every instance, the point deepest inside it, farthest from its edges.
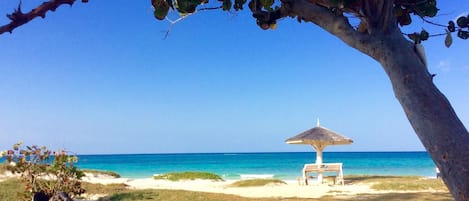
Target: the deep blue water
(285, 165)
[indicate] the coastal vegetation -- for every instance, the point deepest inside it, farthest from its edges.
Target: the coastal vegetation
(44, 172)
(101, 172)
(177, 176)
(178, 195)
(108, 189)
(399, 183)
(395, 188)
(11, 189)
(256, 182)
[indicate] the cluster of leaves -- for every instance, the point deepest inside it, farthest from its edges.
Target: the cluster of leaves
(44, 171)
(463, 23)
(404, 9)
(266, 12)
(461, 27)
(263, 10)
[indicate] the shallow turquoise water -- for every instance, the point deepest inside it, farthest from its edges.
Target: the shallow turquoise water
(285, 165)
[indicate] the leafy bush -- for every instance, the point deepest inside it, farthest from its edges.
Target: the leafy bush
(44, 171)
(176, 176)
(256, 182)
(101, 172)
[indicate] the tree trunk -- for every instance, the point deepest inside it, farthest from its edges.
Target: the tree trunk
(429, 112)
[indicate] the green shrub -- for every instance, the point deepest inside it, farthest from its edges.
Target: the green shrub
(176, 176)
(44, 171)
(101, 172)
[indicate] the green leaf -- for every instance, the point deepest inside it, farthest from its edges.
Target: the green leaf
(161, 9)
(267, 4)
(404, 19)
(424, 35)
(239, 4)
(448, 39)
(462, 22)
(188, 6)
(226, 5)
(463, 34)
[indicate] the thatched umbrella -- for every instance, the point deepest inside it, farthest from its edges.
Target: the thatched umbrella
(319, 137)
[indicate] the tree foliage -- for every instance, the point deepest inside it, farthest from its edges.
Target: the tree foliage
(44, 171)
(267, 12)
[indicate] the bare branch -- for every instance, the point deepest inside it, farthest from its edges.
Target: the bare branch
(173, 22)
(19, 18)
(210, 8)
(433, 23)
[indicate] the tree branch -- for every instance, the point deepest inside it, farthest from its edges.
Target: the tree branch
(379, 15)
(333, 23)
(19, 18)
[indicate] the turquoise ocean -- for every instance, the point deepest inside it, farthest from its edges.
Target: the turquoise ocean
(281, 165)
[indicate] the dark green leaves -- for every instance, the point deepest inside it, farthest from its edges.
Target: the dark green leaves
(267, 4)
(462, 22)
(419, 37)
(226, 5)
(463, 34)
(424, 35)
(421, 8)
(427, 9)
(462, 27)
(161, 8)
(187, 6)
(451, 26)
(239, 4)
(182, 6)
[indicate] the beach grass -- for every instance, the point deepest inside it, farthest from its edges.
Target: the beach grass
(256, 182)
(177, 195)
(101, 172)
(177, 176)
(104, 189)
(399, 183)
(10, 189)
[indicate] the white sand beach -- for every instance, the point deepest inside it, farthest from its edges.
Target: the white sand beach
(290, 189)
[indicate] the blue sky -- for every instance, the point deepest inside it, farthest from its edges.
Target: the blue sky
(100, 78)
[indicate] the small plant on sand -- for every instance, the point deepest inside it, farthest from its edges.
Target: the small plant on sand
(45, 173)
(256, 182)
(101, 172)
(176, 176)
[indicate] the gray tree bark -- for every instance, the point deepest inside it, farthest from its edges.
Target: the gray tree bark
(429, 112)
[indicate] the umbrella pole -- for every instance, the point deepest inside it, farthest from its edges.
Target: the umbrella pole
(319, 148)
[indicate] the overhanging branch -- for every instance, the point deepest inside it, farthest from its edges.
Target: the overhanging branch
(334, 23)
(19, 18)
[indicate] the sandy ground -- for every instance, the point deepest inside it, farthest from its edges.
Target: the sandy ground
(291, 189)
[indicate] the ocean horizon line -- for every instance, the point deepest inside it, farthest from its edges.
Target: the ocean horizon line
(254, 152)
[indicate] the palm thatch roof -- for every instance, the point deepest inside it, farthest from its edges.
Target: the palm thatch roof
(319, 135)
